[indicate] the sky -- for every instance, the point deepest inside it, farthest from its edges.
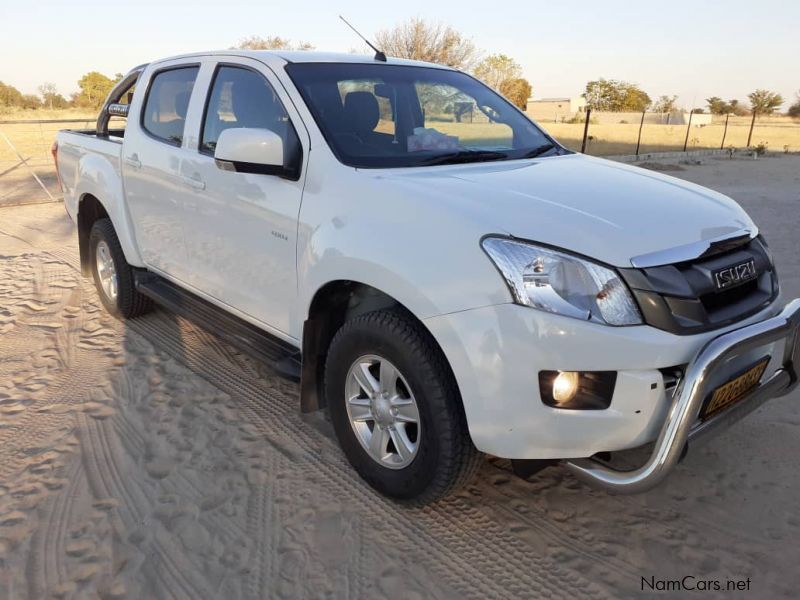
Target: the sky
(693, 49)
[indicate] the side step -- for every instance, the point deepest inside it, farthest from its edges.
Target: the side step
(284, 357)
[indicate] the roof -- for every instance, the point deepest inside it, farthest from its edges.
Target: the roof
(553, 100)
(308, 56)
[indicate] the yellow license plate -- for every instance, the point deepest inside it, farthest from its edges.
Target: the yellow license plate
(737, 387)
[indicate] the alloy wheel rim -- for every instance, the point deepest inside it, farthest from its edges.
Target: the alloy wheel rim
(382, 411)
(106, 271)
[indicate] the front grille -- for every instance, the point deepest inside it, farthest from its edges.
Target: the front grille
(715, 300)
(683, 298)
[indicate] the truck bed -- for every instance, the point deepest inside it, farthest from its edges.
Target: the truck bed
(82, 151)
(114, 135)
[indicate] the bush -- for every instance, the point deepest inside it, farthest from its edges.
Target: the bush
(579, 118)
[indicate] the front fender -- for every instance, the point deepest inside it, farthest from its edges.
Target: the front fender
(400, 239)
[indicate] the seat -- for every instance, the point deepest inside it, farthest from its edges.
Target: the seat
(173, 129)
(361, 115)
(254, 105)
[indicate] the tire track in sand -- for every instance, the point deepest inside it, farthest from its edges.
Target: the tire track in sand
(471, 535)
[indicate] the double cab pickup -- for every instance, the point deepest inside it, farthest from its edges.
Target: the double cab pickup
(441, 275)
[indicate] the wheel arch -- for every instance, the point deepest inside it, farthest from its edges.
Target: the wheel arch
(334, 303)
(90, 210)
(100, 194)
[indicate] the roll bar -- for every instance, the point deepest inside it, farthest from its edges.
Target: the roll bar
(112, 106)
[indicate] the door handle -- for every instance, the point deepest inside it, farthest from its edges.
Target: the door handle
(194, 182)
(133, 161)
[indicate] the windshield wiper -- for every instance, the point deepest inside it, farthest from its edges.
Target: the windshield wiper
(463, 156)
(539, 150)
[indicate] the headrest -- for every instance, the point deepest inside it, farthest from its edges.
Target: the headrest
(182, 104)
(254, 104)
(361, 111)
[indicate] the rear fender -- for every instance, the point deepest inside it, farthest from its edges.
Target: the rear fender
(99, 179)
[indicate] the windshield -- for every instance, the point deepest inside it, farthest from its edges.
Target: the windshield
(379, 115)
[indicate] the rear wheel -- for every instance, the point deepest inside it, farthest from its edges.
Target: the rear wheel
(396, 409)
(113, 276)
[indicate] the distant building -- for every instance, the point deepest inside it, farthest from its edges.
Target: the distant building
(555, 109)
(682, 118)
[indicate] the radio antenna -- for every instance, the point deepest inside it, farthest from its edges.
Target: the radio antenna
(378, 54)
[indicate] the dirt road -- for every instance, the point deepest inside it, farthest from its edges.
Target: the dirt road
(149, 459)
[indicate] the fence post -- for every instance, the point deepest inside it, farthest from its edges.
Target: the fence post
(688, 129)
(586, 130)
(639, 141)
(752, 124)
(725, 131)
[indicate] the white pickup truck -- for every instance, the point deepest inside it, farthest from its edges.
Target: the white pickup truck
(440, 274)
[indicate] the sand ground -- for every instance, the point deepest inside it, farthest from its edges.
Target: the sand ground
(150, 460)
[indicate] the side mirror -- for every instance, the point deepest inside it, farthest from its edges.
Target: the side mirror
(250, 150)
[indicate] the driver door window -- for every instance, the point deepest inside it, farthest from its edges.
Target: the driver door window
(243, 98)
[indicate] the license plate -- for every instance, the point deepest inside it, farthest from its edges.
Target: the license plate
(730, 392)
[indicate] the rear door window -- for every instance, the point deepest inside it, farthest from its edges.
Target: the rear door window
(164, 115)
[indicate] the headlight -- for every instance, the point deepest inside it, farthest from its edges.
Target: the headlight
(562, 283)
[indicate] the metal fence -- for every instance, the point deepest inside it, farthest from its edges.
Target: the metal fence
(608, 134)
(27, 174)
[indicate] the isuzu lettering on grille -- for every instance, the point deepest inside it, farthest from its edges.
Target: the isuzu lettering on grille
(730, 276)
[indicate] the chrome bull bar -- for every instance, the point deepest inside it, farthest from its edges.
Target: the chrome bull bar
(681, 426)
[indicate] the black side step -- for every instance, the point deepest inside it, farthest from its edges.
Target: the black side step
(284, 357)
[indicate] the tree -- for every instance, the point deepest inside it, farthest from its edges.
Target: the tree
(271, 42)
(735, 107)
(517, 90)
(666, 104)
(764, 102)
(50, 96)
(635, 99)
(602, 95)
(497, 68)
(47, 90)
(9, 95)
(718, 106)
(433, 42)
(30, 101)
(794, 109)
(615, 96)
(94, 87)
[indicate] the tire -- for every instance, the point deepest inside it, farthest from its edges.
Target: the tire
(445, 458)
(127, 303)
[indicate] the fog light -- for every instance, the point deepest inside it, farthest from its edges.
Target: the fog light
(565, 386)
(577, 390)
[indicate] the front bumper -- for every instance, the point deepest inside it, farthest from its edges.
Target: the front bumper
(681, 425)
(496, 353)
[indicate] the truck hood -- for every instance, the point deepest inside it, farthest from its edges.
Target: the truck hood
(605, 210)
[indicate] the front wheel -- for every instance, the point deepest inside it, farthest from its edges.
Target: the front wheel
(396, 409)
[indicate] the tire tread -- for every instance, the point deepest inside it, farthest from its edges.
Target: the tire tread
(130, 303)
(459, 463)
